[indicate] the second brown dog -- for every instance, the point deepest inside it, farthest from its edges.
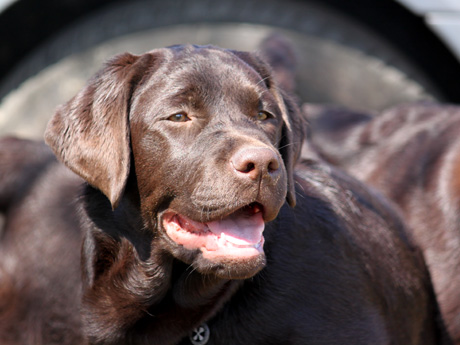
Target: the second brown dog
(412, 154)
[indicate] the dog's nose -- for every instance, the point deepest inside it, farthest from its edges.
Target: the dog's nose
(256, 162)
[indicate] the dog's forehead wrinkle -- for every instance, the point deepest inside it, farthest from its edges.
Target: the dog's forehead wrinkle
(210, 69)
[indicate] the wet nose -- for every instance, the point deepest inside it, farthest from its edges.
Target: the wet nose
(256, 162)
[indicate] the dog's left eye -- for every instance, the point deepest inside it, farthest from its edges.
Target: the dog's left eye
(262, 116)
(180, 117)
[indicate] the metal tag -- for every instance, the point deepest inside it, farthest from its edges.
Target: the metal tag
(200, 335)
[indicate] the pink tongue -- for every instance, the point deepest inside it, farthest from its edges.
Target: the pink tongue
(240, 228)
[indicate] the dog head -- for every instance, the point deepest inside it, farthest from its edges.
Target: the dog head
(211, 140)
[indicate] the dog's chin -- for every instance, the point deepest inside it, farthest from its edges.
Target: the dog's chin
(230, 247)
(227, 268)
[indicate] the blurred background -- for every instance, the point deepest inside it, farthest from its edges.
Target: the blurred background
(364, 54)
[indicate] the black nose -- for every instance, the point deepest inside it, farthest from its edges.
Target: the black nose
(255, 162)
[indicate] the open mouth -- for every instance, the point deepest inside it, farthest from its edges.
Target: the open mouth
(238, 235)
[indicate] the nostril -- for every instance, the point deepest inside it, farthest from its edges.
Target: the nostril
(244, 166)
(249, 168)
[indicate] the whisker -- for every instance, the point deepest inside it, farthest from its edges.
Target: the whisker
(263, 81)
(288, 144)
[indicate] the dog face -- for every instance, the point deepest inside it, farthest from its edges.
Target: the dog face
(209, 138)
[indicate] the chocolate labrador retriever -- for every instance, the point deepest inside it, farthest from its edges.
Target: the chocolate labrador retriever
(412, 154)
(185, 159)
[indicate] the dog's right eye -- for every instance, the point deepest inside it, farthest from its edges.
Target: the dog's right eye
(180, 117)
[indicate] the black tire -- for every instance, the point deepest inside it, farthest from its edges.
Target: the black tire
(339, 62)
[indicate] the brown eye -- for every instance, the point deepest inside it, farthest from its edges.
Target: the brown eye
(262, 116)
(180, 117)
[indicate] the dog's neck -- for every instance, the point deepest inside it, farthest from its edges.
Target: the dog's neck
(133, 289)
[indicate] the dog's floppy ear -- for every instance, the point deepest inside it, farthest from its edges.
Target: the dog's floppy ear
(292, 138)
(90, 133)
(293, 132)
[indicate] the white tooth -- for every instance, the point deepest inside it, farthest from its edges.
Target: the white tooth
(222, 240)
